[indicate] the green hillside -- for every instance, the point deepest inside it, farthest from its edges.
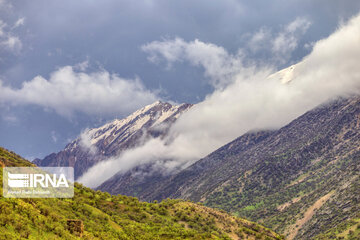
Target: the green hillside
(349, 230)
(116, 217)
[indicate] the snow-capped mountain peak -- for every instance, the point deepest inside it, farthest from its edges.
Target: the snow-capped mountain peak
(97, 144)
(147, 117)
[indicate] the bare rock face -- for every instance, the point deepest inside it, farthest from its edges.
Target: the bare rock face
(98, 144)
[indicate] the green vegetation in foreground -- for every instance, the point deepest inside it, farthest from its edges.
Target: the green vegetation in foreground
(117, 217)
(349, 230)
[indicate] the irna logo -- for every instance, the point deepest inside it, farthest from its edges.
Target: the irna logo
(36, 180)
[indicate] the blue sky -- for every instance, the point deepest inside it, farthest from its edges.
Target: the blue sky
(83, 49)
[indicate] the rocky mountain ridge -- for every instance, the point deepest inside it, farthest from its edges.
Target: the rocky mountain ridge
(97, 144)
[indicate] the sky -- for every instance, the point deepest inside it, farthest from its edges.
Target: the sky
(66, 66)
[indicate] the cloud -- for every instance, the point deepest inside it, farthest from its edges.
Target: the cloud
(5, 5)
(11, 43)
(249, 102)
(19, 22)
(10, 119)
(279, 46)
(105, 169)
(82, 66)
(68, 91)
(287, 40)
(85, 142)
(2, 26)
(219, 65)
(259, 39)
(8, 40)
(54, 136)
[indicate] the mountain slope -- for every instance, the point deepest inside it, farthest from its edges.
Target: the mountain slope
(98, 144)
(140, 181)
(144, 182)
(116, 217)
(301, 180)
(349, 229)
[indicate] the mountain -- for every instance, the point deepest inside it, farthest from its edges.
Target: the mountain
(97, 215)
(148, 183)
(301, 180)
(98, 144)
(139, 181)
(349, 229)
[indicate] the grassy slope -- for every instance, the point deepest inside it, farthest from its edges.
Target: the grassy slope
(349, 229)
(117, 217)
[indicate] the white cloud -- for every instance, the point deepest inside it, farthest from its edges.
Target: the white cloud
(258, 40)
(68, 91)
(280, 45)
(287, 40)
(85, 142)
(19, 22)
(12, 43)
(105, 169)
(2, 26)
(5, 5)
(250, 101)
(221, 66)
(53, 136)
(300, 24)
(82, 66)
(218, 64)
(10, 119)
(8, 41)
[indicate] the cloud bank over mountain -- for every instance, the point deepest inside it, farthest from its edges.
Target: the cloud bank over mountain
(246, 100)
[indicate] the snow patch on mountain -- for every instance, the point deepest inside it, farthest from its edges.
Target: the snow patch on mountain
(149, 114)
(112, 139)
(286, 75)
